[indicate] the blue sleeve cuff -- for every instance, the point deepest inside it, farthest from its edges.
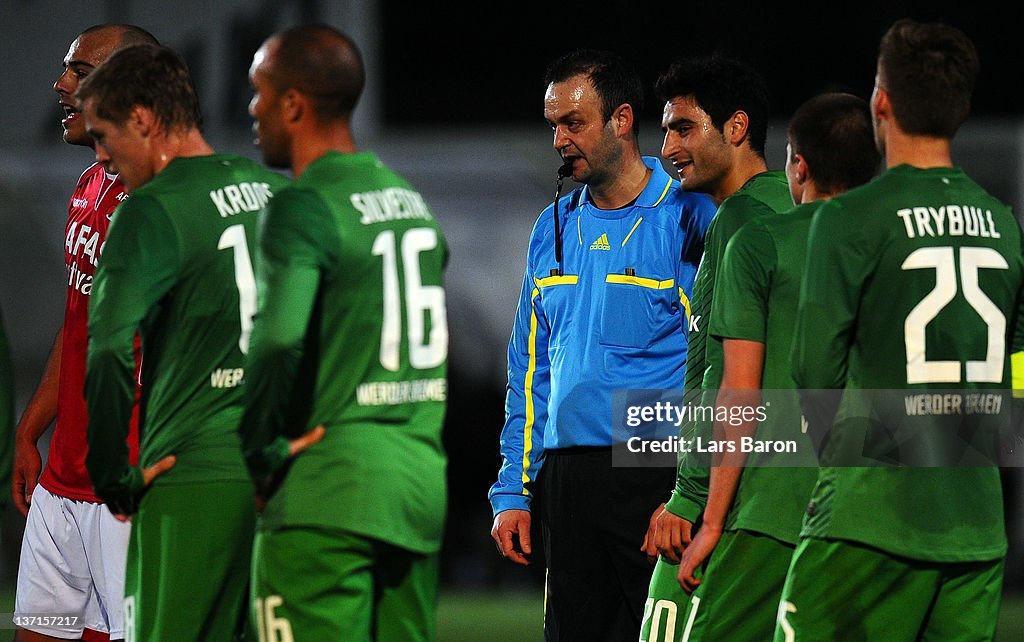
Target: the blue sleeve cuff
(501, 502)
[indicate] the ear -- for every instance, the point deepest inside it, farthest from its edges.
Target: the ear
(293, 106)
(881, 108)
(142, 120)
(734, 131)
(622, 119)
(801, 172)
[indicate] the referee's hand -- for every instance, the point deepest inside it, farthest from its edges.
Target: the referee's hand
(509, 525)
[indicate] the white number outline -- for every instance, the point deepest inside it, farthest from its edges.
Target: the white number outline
(785, 608)
(269, 627)
(245, 280)
(941, 259)
(418, 298)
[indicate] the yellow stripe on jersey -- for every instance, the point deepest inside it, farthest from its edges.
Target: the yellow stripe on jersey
(1017, 374)
(579, 232)
(641, 281)
(532, 367)
(531, 346)
(547, 281)
(635, 225)
(664, 191)
(685, 300)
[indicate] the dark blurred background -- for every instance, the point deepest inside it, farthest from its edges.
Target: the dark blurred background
(454, 103)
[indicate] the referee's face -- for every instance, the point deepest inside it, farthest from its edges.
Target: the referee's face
(582, 136)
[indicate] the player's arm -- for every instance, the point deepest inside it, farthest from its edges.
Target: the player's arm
(741, 381)
(297, 243)
(6, 408)
(692, 475)
(834, 275)
(37, 417)
(123, 294)
(522, 436)
(739, 317)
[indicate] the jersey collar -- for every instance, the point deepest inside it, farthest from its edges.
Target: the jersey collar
(658, 186)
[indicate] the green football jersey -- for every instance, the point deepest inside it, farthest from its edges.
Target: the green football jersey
(764, 193)
(756, 300)
(912, 285)
(351, 333)
(176, 268)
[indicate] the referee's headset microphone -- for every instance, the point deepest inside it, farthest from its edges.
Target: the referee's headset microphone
(564, 172)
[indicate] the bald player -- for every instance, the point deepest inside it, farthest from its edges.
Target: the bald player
(73, 551)
(351, 335)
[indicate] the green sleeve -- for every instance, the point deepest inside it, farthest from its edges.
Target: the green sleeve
(693, 473)
(6, 415)
(682, 504)
(838, 263)
(295, 237)
(834, 275)
(740, 306)
(733, 215)
(139, 266)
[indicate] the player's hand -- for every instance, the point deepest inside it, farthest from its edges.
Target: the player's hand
(672, 535)
(297, 445)
(27, 466)
(511, 523)
(648, 546)
(695, 554)
(157, 469)
(148, 475)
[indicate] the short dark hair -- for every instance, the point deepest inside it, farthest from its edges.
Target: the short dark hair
(721, 86)
(928, 71)
(130, 34)
(614, 80)
(149, 76)
(322, 63)
(833, 133)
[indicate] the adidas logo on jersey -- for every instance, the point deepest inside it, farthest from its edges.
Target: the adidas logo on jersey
(601, 243)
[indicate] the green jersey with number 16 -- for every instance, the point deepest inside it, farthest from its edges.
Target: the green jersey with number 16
(176, 267)
(911, 292)
(352, 334)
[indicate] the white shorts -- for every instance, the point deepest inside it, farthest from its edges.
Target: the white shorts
(72, 563)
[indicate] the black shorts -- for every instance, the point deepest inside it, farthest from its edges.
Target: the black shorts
(593, 520)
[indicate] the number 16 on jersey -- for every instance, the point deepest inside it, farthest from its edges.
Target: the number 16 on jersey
(422, 302)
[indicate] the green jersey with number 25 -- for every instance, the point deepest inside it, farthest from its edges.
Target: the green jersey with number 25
(912, 285)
